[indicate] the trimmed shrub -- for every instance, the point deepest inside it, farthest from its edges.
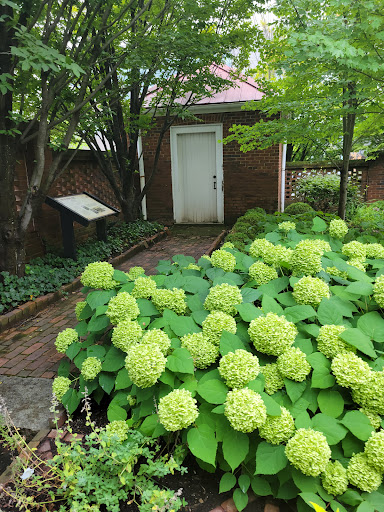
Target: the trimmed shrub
(298, 208)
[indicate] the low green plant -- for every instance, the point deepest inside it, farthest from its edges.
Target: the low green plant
(370, 218)
(297, 208)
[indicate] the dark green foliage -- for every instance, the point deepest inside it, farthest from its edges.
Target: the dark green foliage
(298, 208)
(47, 274)
(369, 218)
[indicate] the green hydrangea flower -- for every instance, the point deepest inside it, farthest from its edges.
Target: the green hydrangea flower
(370, 394)
(91, 368)
(350, 370)
(329, 342)
(272, 334)
(308, 451)
(355, 250)
(260, 247)
(278, 429)
(65, 338)
(306, 258)
(293, 364)
(159, 338)
(279, 256)
(170, 299)
(227, 245)
(357, 264)
(118, 428)
(206, 257)
(262, 273)
(79, 308)
(217, 322)
(334, 478)
(144, 288)
(177, 410)
(378, 291)
(60, 386)
(273, 378)
(338, 228)
(375, 251)
(374, 450)
(145, 364)
(135, 272)
(126, 334)
(224, 260)
(333, 271)
(245, 410)
(362, 475)
(122, 307)
(203, 352)
(99, 275)
(310, 290)
(238, 368)
(286, 226)
(223, 297)
(374, 418)
(193, 266)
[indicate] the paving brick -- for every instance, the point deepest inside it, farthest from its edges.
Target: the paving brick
(3, 360)
(48, 375)
(32, 348)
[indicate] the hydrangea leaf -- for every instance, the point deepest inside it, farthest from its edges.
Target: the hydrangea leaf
(82, 328)
(322, 378)
(214, 391)
(107, 381)
(311, 329)
(360, 288)
(351, 445)
(372, 324)
(286, 299)
(270, 459)
(200, 316)
(202, 443)
(71, 400)
(358, 339)
(151, 425)
(341, 292)
(194, 303)
(351, 497)
(337, 507)
(359, 424)
(122, 380)
(230, 342)
(297, 313)
(227, 482)
(353, 272)
(146, 308)
(331, 428)
(99, 297)
(115, 412)
(376, 499)
(273, 288)
(128, 287)
(257, 384)
(100, 310)
(286, 491)
(304, 344)
(174, 281)
(240, 498)
(319, 225)
(73, 350)
(303, 482)
(182, 260)
(295, 389)
(298, 407)
(224, 279)
(64, 368)
(114, 360)
(235, 447)
(328, 313)
(96, 351)
(273, 408)
(248, 311)
(86, 313)
(182, 325)
(365, 506)
(260, 486)
(194, 285)
(270, 305)
(273, 236)
(330, 403)
(250, 295)
(98, 323)
(214, 273)
(204, 263)
(120, 277)
(180, 361)
(303, 420)
(318, 360)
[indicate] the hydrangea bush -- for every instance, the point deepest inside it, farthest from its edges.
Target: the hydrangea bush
(266, 364)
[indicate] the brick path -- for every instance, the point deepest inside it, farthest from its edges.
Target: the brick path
(28, 350)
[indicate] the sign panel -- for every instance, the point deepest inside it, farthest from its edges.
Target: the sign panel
(85, 206)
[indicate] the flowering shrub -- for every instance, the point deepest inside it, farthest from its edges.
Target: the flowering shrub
(118, 428)
(272, 369)
(79, 308)
(135, 272)
(338, 228)
(224, 260)
(286, 226)
(99, 275)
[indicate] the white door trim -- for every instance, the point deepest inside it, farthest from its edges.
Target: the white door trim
(209, 128)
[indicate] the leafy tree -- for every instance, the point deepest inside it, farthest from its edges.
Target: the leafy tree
(327, 79)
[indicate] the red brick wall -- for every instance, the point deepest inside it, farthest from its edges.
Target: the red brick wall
(82, 175)
(250, 179)
(374, 180)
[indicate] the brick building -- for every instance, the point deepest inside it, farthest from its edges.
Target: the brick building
(200, 180)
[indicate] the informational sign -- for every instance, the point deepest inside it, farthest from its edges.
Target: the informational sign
(86, 206)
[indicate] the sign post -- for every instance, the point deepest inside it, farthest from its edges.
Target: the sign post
(82, 208)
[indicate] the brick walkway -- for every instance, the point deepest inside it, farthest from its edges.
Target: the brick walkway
(28, 350)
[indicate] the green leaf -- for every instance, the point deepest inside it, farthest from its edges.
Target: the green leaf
(235, 447)
(147, 308)
(376, 499)
(202, 443)
(358, 339)
(250, 295)
(273, 408)
(322, 378)
(365, 506)
(114, 360)
(96, 351)
(240, 498)
(310, 497)
(182, 325)
(260, 486)
(152, 427)
(227, 482)
(180, 361)
(244, 482)
(99, 297)
(270, 305)
(319, 225)
(107, 382)
(82, 328)
(286, 299)
(360, 288)
(115, 412)
(98, 323)
(351, 445)
(270, 459)
(372, 325)
(351, 497)
(273, 288)
(330, 403)
(71, 400)
(297, 313)
(73, 349)
(194, 285)
(200, 316)
(359, 424)
(213, 391)
(64, 368)
(295, 389)
(303, 482)
(122, 380)
(248, 311)
(120, 277)
(328, 314)
(230, 342)
(330, 427)
(86, 313)
(194, 303)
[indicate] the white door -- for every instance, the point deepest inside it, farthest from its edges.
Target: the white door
(197, 174)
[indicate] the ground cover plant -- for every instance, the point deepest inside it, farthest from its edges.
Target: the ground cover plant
(267, 364)
(47, 274)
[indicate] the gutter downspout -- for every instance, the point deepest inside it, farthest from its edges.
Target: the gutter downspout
(283, 164)
(142, 175)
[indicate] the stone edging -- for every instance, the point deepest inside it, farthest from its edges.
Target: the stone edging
(216, 242)
(31, 308)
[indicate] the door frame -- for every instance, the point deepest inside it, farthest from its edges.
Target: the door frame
(177, 200)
